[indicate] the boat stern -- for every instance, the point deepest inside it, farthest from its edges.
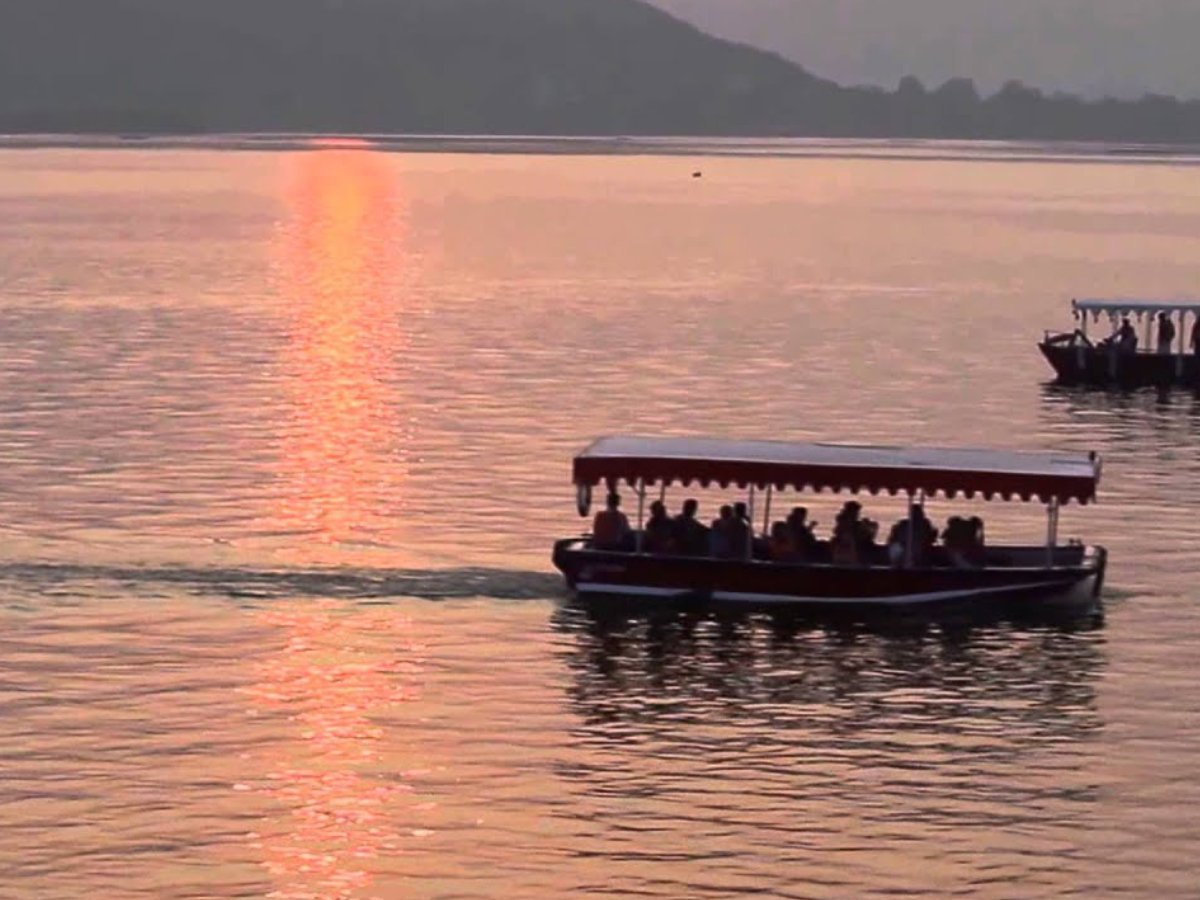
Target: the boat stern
(565, 558)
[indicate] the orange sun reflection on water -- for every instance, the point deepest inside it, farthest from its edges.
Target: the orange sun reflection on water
(341, 667)
(343, 270)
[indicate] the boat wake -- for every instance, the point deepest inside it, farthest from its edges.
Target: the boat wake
(63, 581)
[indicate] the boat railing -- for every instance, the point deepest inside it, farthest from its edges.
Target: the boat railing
(996, 556)
(1108, 350)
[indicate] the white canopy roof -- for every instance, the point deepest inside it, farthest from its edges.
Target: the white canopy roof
(1124, 307)
(1006, 473)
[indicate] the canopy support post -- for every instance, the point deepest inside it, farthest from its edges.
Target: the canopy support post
(1051, 531)
(908, 541)
(641, 492)
(748, 551)
(767, 513)
(1179, 358)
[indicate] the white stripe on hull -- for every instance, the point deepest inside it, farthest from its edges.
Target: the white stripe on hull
(747, 597)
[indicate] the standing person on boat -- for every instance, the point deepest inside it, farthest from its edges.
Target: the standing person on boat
(689, 536)
(660, 530)
(1127, 339)
(610, 528)
(1196, 336)
(1166, 332)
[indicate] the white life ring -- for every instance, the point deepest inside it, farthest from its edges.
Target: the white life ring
(583, 499)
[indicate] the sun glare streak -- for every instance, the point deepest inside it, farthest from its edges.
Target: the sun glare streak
(343, 267)
(344, 273)
(340, 668)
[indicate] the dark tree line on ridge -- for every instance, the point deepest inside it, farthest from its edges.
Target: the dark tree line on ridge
(568, 67)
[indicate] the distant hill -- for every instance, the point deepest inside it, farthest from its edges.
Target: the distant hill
(511, 66)
(1120, 48)
(474, 66)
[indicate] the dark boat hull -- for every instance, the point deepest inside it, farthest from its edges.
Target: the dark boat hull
(675, 579)
(1103, 367)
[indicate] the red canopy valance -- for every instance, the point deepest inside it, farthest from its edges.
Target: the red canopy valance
(949, 472)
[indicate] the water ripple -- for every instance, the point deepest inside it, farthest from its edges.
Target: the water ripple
(257, 408)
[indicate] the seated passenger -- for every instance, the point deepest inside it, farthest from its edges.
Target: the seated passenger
(955, 539)
(610, 528)
(916, 530)
(720, 534)
(741, 532)
(868, 530)
(659, 530)
(963, 539)
(896, 542)
(847, 535)
(781, 547)
(804, 542)
(976, 551)
(689, 537)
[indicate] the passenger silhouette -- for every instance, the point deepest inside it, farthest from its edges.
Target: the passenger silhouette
(610, 528)
(721, 534)
(659, 530)
(689, 536)
(1166, 333)
(1127, 339)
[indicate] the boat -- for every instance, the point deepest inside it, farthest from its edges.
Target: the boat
(878, 580)
(1078, 360)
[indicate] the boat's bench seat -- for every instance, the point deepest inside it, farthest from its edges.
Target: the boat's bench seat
(1011, 556)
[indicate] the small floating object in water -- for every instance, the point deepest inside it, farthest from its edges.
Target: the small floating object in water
(697, 174)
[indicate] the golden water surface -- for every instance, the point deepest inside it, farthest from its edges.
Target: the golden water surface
(285, 440)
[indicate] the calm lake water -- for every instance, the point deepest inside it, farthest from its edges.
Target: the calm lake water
(285, 439)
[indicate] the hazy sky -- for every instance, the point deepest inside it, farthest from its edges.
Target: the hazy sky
(1122, 47)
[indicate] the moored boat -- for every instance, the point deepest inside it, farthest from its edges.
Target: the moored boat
(1164, 355)
(878, 577)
